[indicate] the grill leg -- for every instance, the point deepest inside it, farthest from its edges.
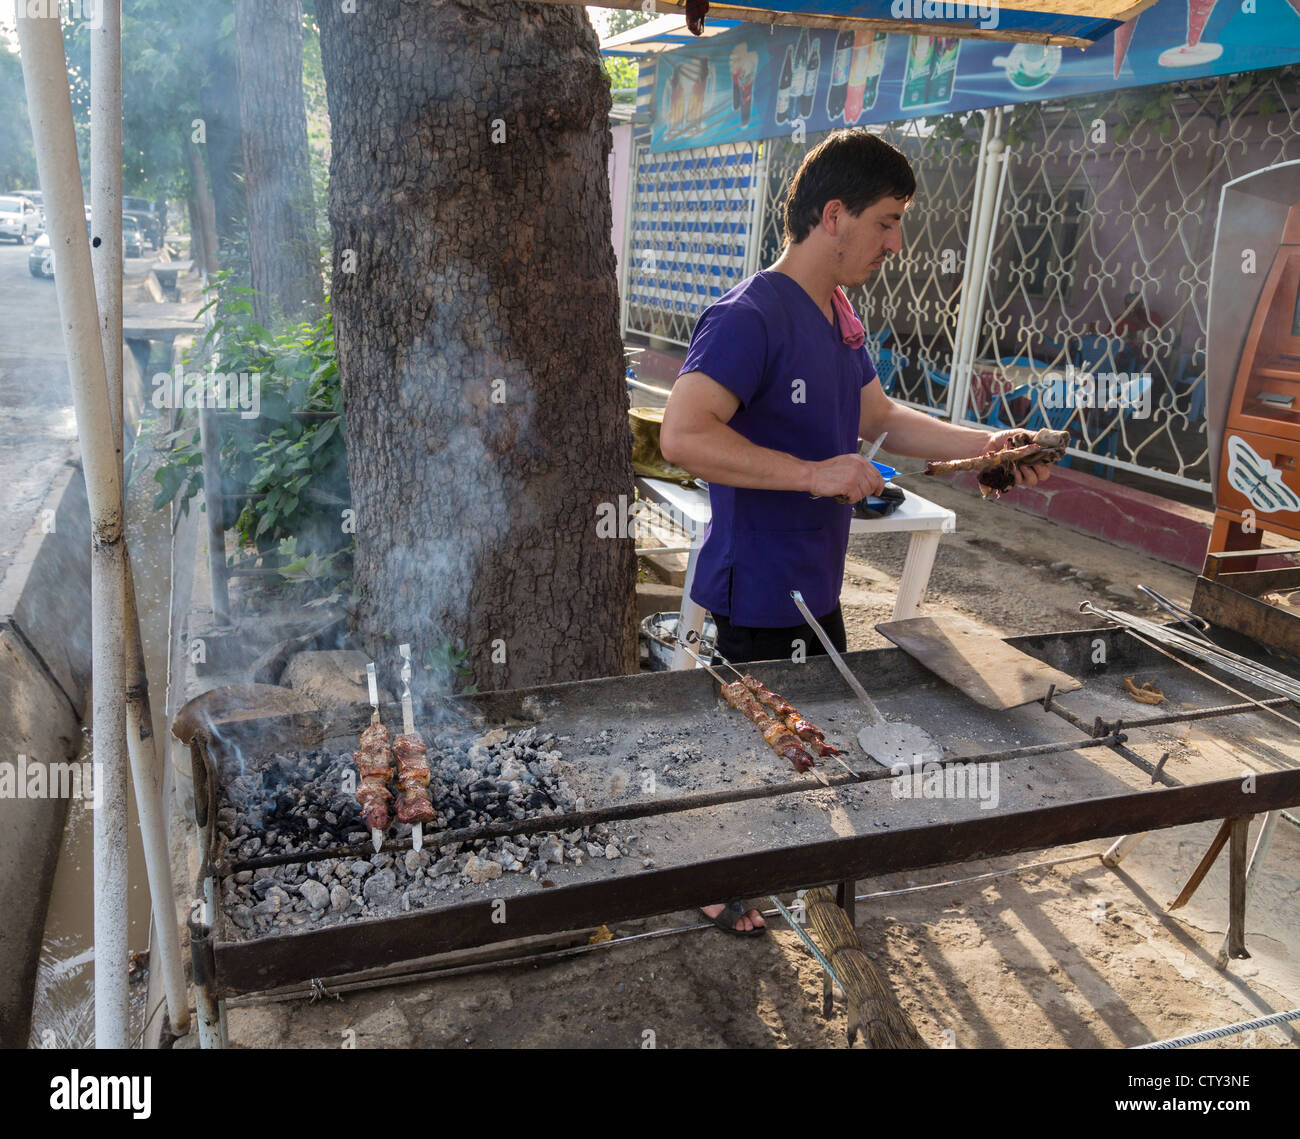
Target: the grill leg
(1241, 879)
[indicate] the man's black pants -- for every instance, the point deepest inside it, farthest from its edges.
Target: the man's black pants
(747, 643)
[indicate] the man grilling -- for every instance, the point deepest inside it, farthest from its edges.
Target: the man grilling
(774, 393)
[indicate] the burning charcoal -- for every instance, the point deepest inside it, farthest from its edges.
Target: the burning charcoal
(380, 886)
(314, 894)
(448, 865)
(415, 861)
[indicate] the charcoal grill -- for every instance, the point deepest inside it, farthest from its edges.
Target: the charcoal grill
(1075, 767)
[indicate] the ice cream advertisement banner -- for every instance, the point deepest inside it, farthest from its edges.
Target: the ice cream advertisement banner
(756, 82)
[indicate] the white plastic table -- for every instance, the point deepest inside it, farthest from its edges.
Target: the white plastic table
(926, 521)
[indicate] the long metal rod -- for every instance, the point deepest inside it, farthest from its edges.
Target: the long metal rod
(646, 808)
(1226, 1030)
(106, 260)
(1202, 714)
(1205, 650)
(1213, 679)
(45, 77)
(838, 661)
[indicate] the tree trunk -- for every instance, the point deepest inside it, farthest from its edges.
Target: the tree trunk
(219, 106)
(203, 238)
(284, 262)
(476, 318)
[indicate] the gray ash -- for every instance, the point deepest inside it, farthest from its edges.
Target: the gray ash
(298, 802)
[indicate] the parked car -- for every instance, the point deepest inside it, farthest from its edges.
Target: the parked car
(40, 261)
(19, 220)
(132, 238)
(38, 202)
(143, 212)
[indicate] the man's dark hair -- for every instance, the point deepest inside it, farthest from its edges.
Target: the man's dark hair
(855, 166)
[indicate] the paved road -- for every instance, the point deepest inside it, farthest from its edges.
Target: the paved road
(38, 431)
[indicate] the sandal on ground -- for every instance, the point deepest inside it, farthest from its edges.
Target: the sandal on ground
(732, 913)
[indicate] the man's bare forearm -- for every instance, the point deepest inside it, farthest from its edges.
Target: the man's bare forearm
(719, 454)
(914, 433)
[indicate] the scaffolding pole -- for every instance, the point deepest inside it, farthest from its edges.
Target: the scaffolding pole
(45, 77)
(106, 258)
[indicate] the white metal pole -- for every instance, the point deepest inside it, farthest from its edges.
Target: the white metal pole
(45, 77)
(106, 257)
(1002, 162)
(968, 271)
(977, 267)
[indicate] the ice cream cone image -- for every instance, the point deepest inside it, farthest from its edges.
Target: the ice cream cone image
(1194, 52)
(1124, 37)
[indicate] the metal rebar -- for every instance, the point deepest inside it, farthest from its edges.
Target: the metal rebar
(1205, 650)
(806, 938)
(1202, 714)
(1226, 1030)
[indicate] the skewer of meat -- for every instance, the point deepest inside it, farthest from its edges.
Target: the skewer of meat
(806, 730)
(997, 469)
(413, 803)
(374, 761)
(776, 732)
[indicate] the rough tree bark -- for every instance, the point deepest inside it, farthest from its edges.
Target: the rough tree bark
(219, 106)
(283, 256)
(476, 318)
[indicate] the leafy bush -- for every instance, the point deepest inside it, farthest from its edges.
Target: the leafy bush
(291, 460)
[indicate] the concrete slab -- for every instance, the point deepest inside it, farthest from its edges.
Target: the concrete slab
(39, 724)
(45, 593)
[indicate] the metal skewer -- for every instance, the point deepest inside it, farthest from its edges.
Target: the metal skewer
(376, 835)
(713, 672)
(408, 728)
(693, 637)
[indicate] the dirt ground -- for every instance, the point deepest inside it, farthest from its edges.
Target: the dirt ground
(1072, 955)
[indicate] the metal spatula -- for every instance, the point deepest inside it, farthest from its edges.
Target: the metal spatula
(888, 743)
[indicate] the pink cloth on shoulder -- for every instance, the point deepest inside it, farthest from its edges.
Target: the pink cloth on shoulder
(851, 329)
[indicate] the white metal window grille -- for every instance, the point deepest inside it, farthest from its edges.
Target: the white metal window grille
(690, 238)
(1101, 260)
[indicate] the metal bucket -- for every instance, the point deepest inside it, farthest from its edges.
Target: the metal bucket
(659, 632)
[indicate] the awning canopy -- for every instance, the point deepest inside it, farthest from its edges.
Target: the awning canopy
(1070, 23)
(660, 35)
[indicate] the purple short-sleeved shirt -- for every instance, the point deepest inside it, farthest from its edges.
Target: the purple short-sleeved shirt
(800, 391)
